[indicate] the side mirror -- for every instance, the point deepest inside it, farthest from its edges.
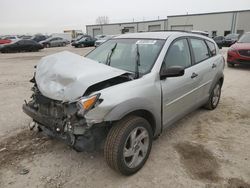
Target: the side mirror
(173, 71)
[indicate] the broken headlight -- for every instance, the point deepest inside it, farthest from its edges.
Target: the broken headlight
(86, 103)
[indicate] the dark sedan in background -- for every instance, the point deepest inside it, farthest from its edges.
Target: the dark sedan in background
(230, 39)
(21, 46)
(239, 53)
(84, 42)
(39, 37)
(220, 40)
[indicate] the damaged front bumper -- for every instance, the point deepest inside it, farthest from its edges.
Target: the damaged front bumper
(60, 121)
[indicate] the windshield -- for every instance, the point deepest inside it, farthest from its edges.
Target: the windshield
(124, 53)
(82, 39)
(79, 37)
(245, 38)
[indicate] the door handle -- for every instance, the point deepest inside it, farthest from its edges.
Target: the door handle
(214, 66)
(194, 75)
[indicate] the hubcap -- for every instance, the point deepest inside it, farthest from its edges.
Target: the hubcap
(216, 95)
(136, 147)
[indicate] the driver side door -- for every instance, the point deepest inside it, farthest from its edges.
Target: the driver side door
(178, 93)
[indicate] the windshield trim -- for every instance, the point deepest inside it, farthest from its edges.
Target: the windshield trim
(153, 64)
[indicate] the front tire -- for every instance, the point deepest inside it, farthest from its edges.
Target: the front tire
(128, 145)
(214, 97)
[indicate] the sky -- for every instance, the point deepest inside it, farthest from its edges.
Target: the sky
(54, 16)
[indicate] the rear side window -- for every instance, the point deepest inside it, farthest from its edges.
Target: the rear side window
(178, 54)
(200, 50)
(211, 47)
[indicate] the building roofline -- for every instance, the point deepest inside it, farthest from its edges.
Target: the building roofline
(222, 12)
(128, 22)
(209, 13)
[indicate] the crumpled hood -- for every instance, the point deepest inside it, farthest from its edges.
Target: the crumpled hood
(66, 76)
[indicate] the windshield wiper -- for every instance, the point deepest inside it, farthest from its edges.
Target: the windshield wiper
(137, 63)
(108, 60)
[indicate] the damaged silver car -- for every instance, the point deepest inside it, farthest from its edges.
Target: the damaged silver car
(125, 92)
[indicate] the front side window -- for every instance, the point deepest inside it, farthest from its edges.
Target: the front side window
(126, 54)
(178, 55)
(200, 50)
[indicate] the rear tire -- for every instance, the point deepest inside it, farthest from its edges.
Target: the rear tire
(128, 145)
(214, 97)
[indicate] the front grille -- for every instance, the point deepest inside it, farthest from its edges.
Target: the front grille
(245, 53)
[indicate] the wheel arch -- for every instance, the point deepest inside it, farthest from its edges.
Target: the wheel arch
(146, 115)
(218, 78)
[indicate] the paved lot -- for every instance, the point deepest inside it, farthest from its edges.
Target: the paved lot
(205, 149)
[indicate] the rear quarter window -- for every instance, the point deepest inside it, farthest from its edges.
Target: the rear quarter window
(211, 47)
(200, 50)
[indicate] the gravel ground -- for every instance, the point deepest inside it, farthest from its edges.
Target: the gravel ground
(205, 149)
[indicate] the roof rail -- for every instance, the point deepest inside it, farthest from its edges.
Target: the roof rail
(192, 32)
(175, 30)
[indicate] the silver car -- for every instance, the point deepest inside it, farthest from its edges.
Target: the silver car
(54, 42)
(125, 92)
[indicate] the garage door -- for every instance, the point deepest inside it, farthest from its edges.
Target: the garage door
(154, 27)
(182, 27)
(96, 32)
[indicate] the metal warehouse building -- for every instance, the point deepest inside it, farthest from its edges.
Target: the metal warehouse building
(216, 24)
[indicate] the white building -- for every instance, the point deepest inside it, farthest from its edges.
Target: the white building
(216, 24)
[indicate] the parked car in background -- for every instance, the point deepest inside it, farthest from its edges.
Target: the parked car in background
(84, 42)
(39, 38)
(4, 41)
(98, 37)
(104, 39)
(21, 46)
(54, 42)
(79, 38)
(231, 39)
(125, 92)
(220, 40)
(12, 38)
(239, 53)
(27, 37)
(66, 36)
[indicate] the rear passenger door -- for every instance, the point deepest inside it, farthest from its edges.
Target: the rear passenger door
(204, 66)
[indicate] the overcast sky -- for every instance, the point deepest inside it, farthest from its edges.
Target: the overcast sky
(50, 16)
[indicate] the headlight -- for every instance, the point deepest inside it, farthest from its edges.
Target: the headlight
(86, 103)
